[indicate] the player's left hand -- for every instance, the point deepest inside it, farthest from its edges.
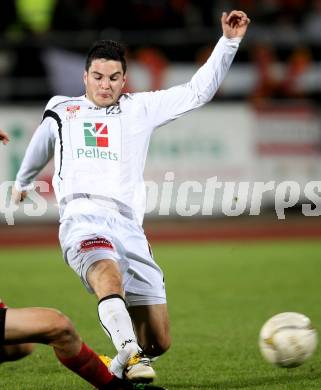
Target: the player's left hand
(4, 137)
(234, 24)
(18, 196)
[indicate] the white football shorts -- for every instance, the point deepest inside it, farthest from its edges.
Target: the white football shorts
(85, 239)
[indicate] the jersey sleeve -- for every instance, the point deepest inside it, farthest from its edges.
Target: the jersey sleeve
(166, 105)
(39, 151)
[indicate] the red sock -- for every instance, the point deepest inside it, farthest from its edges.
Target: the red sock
(88, 365)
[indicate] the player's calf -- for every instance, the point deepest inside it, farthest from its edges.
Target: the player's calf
(9, 353)
(158, 347)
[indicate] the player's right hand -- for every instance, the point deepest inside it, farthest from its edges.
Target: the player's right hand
(18, 196)
(4, 137)
(234, 24)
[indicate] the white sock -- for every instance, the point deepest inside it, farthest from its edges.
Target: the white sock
(117, 323)
(119, 363)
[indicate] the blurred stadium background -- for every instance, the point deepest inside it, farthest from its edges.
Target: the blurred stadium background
(264, 123)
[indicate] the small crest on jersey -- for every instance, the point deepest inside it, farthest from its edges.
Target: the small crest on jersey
(95, 243)
(72, 111)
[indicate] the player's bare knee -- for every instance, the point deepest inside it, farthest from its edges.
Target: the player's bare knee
(105, 278)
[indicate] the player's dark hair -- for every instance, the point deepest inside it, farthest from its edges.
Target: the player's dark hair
(109, 50)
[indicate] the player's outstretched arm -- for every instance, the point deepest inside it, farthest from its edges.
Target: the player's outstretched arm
(234, 24)
(39, 151)
(166, 105)
(4, 137)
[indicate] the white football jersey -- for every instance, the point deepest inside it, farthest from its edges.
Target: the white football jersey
(100, 152)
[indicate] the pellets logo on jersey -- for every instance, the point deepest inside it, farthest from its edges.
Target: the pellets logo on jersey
(95, 243)
(96, 134)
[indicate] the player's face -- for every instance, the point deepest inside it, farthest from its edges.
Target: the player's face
(104, 81)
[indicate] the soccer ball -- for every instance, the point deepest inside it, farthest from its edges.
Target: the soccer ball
(288, 339)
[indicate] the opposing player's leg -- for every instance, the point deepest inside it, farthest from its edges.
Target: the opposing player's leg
(105, 279)
(11, 352)
(48, 326)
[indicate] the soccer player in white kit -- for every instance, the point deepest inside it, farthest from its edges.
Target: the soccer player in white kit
(99, 142)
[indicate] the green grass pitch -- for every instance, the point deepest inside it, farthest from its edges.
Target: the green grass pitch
(219, 296)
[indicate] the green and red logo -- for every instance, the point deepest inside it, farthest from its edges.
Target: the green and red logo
(96, 134)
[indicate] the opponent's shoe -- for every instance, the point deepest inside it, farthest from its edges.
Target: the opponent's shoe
(138, 369)
(119, 384)
(144, 386)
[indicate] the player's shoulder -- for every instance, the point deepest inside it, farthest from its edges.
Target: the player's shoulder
(57, 102)
(134, 97)
(128, 96)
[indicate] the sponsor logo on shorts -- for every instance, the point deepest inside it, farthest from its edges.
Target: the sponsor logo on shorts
(95, 243)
